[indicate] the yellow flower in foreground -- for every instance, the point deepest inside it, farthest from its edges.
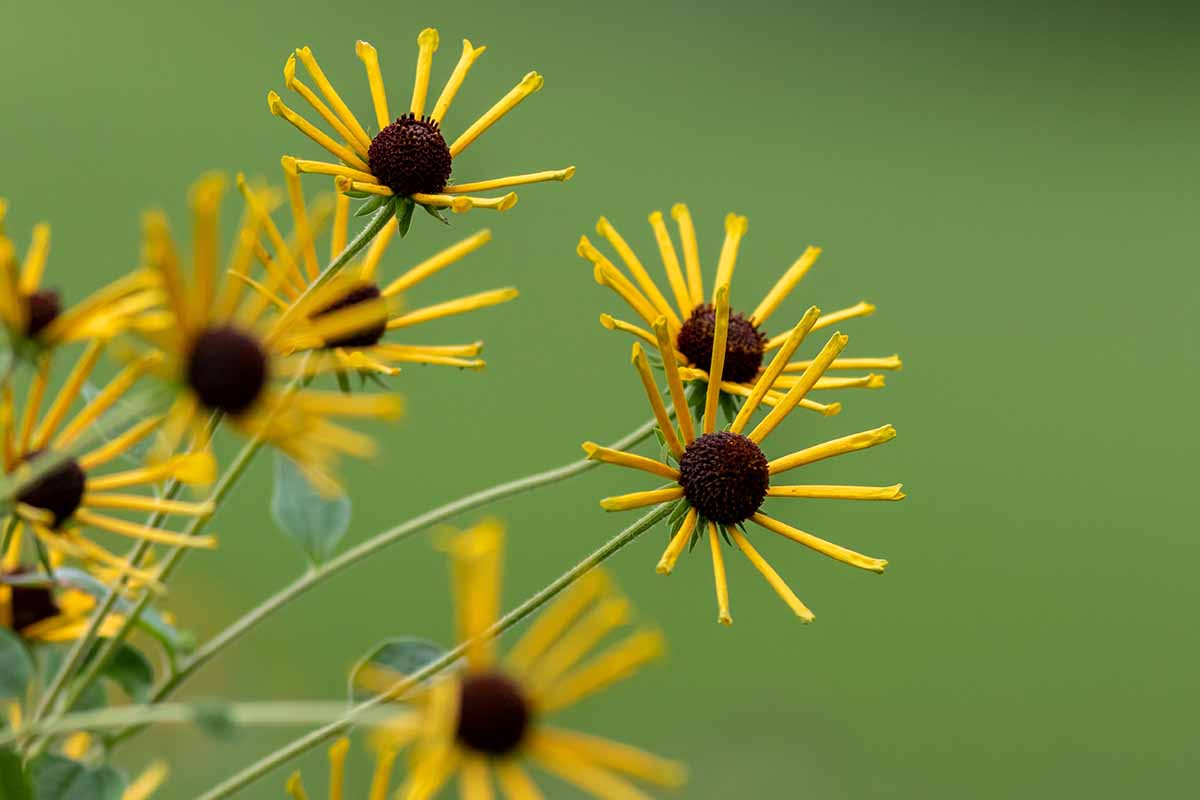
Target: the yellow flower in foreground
(32, 313)
(407, 157)
(723, 477)
(690, 325)
(72, 498)
(292, 265)
(42, 612)
(480, 725)
(227, 354)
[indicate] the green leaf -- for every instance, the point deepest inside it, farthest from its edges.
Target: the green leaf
(403, 656)
(130, 670)
(374, 204)
(343, 381)
(356, 194)
(315, 522)
(51, 659)
(730, 407)
(56, 777)
(436, 214)
(214, 719)
(404, 214)
(16, 665)
(14, 780)
(150, 620)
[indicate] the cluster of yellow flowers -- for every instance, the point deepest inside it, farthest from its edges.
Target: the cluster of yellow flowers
(204, 341)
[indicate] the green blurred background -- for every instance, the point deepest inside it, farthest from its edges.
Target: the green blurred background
(1014, 186)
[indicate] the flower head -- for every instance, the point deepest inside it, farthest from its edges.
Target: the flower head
(719, 479)
(229, 352)
(690, 325)
(408, 156)
(34, 314)
(79, 492)
(291, 265)
(480, 724)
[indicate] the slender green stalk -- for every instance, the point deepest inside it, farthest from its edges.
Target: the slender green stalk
(370, 547)
(354, 715)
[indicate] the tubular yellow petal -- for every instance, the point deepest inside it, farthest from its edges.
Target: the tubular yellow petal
(67, 395)
(691, 253)
(597, 453)
(618, 663)
(531, 83)
(608, 275)
(13, 312)
(836, 447)
(370, 58)
(578, 642)
(836, 552)
(438, 262)
(885, 362)
(338, 404)
(304, 232)
(861, 309)
(33, 402)
(679, 541)
(784, 286)
(666, 249)
(795, 394)
(638, 270)
(382, 777)
(35, 259)
(613, 324)
(594, 781)
(735, 229)
(452, 307)
(455, 82)
(475, 782)
(515, 782)
(344, 184)
(720, 335)
(832, 492)
(475, 566)
(620, 757)
(283, 253)
(341, 221)
(414, 356)
(333, 170)
(427, 44)
(557, 618)
(768, 377)
(136, 531)
(205, 201)
(91, 316)
(656, 404)
(279, 109)
(297, 86)
(871, 381)
(117, 446)
(460, 203)
(718, 562)
(343, 111)
(153, 777)
(137, 502)
(772, 577)
(513, 180)
(625, 502)
(337, 767)
(683, 414)
(295, 787)
(193, 468)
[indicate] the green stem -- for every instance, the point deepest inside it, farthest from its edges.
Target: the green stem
(329, 731)
(369, 548)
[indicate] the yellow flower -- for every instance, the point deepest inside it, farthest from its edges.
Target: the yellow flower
(690, 324)
(32, 313)
(227, 353)
(71, 498)
(483, 723)
(407, 157)
(294, 268)
(42, 613)
(723, 477)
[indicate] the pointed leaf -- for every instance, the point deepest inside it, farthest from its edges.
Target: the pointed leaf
(315, 522)
(56, 777)
(404, 214)
(16, 665)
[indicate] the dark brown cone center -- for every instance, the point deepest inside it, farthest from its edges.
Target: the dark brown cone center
(365, 337)
(59, 491)
(227, 369)
(724, 476)
(411, 157)
(744, 345)
(493, 714)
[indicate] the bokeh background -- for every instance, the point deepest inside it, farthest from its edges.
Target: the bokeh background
(1015, 185)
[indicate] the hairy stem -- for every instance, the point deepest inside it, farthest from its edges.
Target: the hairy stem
(329, 731)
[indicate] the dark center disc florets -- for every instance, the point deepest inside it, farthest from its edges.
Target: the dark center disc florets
(44, 307)
(365, 337)
(227, 369)
(744, 345)
(493, 714)
(60, 491)
(724, 476)
(30, 604)
(411, 157)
